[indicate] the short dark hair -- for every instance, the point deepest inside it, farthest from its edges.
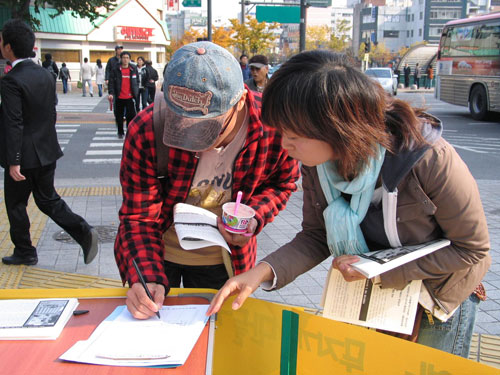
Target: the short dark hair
(48, 56)
(63, 64)
(19, 35)
(243, 55)
(125, 53)
(118, 47)
(85, 59)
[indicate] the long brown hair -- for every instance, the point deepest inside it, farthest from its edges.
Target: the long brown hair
(321, 95)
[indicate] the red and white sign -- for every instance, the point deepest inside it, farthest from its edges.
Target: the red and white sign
(172, 5)
(133, 34)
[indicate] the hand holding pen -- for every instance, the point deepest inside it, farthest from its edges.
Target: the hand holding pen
(144, 300)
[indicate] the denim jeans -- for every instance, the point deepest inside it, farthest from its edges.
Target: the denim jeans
(453, 336)
(141, 99)
(65, 85)
(99, 87)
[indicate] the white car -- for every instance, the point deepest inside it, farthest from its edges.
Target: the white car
(387, 79)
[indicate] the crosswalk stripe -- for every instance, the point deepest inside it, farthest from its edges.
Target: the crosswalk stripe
(104, 138)
(469, 149)
(103, 152)
(66, 130)
(105, 133)
(106, 144)
(102, 161)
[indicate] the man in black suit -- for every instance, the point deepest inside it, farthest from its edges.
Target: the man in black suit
(29, 148)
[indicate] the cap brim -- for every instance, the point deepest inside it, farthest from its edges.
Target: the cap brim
(257, 65)
(191, 134)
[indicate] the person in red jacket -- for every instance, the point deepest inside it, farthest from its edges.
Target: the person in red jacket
(217, 146)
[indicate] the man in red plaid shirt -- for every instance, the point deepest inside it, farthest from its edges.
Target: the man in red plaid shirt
(217, 146)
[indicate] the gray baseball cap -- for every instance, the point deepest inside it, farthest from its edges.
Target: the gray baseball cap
(201, 84)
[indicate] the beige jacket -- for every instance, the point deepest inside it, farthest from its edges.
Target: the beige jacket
(437, 198)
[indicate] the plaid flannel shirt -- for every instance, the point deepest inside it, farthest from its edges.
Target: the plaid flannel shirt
(263, 171)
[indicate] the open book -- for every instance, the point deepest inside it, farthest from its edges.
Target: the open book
(34, 319)
(376, 262)
(366, 304)
(196, 227)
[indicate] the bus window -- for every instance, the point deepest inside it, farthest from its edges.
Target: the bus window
(488, 40)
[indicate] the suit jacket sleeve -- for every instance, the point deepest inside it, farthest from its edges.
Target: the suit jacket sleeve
(13, 119)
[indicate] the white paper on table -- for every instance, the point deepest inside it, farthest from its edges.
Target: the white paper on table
(122, 340)
(196, 227)
(365, 304)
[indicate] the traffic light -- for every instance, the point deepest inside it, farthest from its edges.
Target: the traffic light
(367, 47)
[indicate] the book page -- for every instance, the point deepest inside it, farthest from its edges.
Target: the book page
(197, 228)
(365, 304)
(376, 262)
(35, 319)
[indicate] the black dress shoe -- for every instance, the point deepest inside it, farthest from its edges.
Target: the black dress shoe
(18, 260)
(90, 246)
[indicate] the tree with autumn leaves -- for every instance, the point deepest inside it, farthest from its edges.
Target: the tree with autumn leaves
(252, 37)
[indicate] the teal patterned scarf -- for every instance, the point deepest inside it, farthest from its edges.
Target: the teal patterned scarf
(342, 219)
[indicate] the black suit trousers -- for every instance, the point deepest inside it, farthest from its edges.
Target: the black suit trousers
(40, 182)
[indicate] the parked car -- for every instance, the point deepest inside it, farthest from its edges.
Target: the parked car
(387, 79)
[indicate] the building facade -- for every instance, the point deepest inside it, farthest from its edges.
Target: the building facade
(134, 24)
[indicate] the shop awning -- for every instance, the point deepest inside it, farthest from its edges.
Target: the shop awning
(66, 22)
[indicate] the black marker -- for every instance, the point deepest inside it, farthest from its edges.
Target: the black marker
(141, 279)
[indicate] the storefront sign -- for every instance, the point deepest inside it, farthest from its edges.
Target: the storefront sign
(133, 34)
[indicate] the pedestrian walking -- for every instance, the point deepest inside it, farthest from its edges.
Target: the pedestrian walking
(86, 73)
(99, 76)
(259, 69)
(407, 72)
(29, 148)
(112, 63)
(142, 79)
(123, 89)
(416, 75)
(377, 173)
(210, 127)
(245, 69)
(430, 76)
(64, 76)
(50, 65)
(152, 77)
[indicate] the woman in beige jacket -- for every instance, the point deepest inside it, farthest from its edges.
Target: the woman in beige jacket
(376, 174)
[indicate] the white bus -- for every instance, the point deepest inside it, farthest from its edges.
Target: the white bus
(468, 64)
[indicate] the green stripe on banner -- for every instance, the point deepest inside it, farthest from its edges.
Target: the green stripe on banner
(289, 342)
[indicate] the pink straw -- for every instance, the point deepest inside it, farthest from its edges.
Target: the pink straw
(238, 200)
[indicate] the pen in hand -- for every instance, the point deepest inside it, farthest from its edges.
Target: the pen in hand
(141, 279)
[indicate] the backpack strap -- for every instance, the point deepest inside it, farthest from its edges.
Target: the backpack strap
(158, 125)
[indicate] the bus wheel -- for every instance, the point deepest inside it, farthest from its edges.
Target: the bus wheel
(478, 105)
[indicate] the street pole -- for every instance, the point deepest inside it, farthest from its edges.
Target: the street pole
(302, 29)
(209, 20)
(242, 12)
